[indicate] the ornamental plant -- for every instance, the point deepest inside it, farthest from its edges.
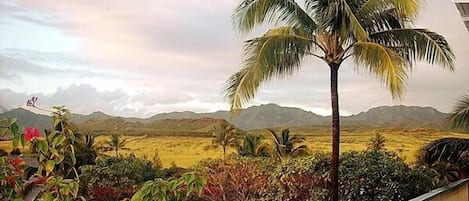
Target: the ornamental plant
(11, 169)
(51, 151)
(175, 189)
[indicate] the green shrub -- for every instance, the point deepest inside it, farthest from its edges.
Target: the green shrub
(299, 179)
(173, 189)
(123, 172)
(379, 175)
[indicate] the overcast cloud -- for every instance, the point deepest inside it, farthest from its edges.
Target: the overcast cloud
(137, 58)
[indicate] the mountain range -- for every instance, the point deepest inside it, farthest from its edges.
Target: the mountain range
(255, 117)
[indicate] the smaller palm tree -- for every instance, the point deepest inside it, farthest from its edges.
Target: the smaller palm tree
(115, 143)
(377, 143)
(285, 144)
(460, 115)
(253, 147)
(223, 136)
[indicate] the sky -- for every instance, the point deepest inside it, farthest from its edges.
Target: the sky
(139, 58)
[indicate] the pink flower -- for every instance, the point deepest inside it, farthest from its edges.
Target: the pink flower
(31, 134)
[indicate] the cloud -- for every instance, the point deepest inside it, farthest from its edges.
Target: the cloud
(85, 99)
(148, 56)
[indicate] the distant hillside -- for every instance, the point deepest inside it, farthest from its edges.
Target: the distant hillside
(171, 127)
(78, 118)
(27, 118)
(400, 115)
(255, 117)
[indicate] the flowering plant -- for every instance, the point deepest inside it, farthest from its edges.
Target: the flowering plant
(30, 134)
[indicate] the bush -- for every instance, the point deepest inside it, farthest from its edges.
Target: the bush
(299, 179)
(120, 173)
(233, 180)
(107, 193)
(379, 175)
(367, 175)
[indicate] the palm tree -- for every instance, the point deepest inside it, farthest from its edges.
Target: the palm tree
(285, 145)
(447, 155)
(460, 115)
(223, 136)
(115, 143)
(252, 146)
(377, 143)
(376, 34)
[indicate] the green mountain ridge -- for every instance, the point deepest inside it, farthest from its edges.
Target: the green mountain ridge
(255, 117)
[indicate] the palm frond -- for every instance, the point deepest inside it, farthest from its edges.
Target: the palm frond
(446, 149)
(250, 13)
(378, 20)
(460, 116)
(276, 54)
(384, 63)
(353, 24)
(407, 8)
(417, 44)
(372, 6)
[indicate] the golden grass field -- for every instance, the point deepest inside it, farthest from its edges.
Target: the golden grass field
(186, 151)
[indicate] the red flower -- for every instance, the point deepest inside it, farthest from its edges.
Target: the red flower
(17, 163)
(31, 134)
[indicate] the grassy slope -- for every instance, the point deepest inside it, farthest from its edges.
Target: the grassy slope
(187, 151)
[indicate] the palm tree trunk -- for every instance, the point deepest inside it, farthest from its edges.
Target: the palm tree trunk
(335, 132)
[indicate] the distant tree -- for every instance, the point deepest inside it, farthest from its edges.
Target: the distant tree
(223, 136)
(460, 115)
(115, 143)
(286, 145)
(252, 146)
(377, 143)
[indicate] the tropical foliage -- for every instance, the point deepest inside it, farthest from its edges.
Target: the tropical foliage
(224, 136)
(176, 189)
(377, 143)
(115, 143)
(286, 145)
(119, 177)
(50, 151)
(253, 146)
(377, 35)
(448, 158)
(460, 115)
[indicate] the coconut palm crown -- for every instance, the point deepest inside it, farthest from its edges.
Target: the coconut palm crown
(460, 115)
(376, 34)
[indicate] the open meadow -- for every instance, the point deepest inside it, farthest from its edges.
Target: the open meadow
(186, 151)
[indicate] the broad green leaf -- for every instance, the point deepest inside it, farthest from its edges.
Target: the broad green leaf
(72, 154)
(16, 140)
(49, 166)
(42, 146)
(14, 128)
(60, 159)
(59, 140)
(56, 122)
